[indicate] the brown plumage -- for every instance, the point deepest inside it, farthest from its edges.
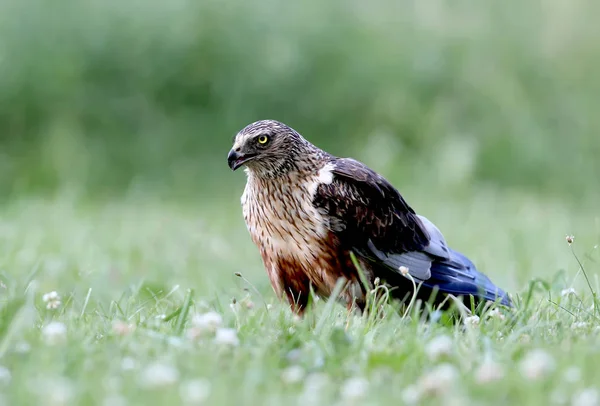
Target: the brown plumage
(307, 210)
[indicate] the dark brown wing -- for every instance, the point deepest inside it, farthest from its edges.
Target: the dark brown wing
(361, 205)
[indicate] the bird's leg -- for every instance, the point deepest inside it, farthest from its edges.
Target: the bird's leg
(298, 293)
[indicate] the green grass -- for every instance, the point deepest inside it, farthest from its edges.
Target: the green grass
(485, 112)
(156, 265)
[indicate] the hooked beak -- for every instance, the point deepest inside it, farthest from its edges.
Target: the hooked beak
(237, 159)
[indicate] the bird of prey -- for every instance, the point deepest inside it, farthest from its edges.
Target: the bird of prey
(307, 211)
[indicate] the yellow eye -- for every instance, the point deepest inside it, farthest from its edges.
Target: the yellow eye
(263, 139)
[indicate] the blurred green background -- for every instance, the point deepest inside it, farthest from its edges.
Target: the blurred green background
(105, 98)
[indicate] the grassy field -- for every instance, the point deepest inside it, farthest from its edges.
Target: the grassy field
(150, 311)
(121, 232)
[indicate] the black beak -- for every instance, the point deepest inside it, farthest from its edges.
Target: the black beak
(236, 159)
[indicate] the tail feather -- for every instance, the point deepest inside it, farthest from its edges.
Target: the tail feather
(457, 275)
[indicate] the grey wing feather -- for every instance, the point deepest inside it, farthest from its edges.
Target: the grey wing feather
(417, 262)
(437, 243)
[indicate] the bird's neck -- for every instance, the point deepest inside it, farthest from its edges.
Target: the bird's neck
(303, 164)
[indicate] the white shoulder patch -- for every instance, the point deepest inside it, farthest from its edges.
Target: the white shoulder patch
(326, 174)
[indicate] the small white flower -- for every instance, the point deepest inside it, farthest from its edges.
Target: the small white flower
(5, 375)
(194, 333)
(194, 391)
(440, 346)
(536, 364)
(568, 292)
(294, 356)
(403, 270)
(53, 305)
(52, 300)
(572, 374)
(59, 392)
(50, 296)
(354, 389)
(54, 332)
(158, 375)
(127, 364)
(204, 324)
(580, 325)
(570, 239)
(411, 395)
(489, 371)
(121, 328)
(313, 386)
(439, 380)
(227, 336)
(22, 347)
(208, 321)
(586, 397)
(472, 321)
(292, 374)
(114, 400)
(496, 314)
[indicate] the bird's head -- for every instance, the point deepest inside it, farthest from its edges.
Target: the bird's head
(266, 148)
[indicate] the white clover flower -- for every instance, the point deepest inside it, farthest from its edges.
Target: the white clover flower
(586, 397)
(489, 371)
(439, 380)
(121, 328)
(294, 356)
(50, 296)
(580, 325)
(572, 374)
(536, 364)
(496, 314)
(194, 333)
(472, 321)
(54, 332)
(440, 346)
(22, 347)
(568, 292)
(128, 363)
(195, 391)
(354, 389)
(59, 392)
(52, 300)
(208, 321)
(227, 336)
(292, 374)
(5, 375)
(411, 395)
(314, 384)
(114, 400)
(159, 375)
(204, 324)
